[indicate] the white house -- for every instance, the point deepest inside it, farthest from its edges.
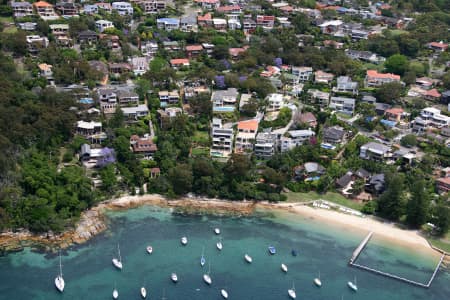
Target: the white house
(222, 139)
(295, 138)
(303, 73)
(342, 104)
(123, 8)
(275, 102)
(102, 25)
(430, 117)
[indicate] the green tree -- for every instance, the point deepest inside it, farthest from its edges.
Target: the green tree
(391, 204)
(389, 92)
(418, 204)
(181, 178)
(442, 218)
(397, 64)
(108, 177)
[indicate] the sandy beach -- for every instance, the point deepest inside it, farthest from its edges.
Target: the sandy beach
(92, 221)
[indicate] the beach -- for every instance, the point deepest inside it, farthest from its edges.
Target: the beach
(92, 222)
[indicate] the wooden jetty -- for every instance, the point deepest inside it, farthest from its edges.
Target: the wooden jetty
(361, 247)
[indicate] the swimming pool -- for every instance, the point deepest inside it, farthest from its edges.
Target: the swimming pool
(223, 109)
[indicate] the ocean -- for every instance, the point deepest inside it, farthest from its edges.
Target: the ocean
(324, 249)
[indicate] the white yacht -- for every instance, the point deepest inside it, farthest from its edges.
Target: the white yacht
(248, 258)
(217, 230)
(59, 280)
(207, 277)
(352, 285)
(184, 241)
(115, 294)
(317, 281)
(143, 293)
(284, 268)
(292, 293)
(117, 262)
(219, 245)
(224, 293)
(149, 249)
(174, 277)
(202, 259)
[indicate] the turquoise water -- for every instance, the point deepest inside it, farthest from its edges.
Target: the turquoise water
(89, 273)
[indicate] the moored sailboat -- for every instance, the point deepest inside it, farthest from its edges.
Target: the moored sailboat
(117, 262)
(59, 280)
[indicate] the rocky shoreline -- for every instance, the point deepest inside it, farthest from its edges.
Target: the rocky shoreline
(93, 221)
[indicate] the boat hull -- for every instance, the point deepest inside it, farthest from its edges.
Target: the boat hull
(143, 293)
(117, 263)
(207, 279)
(292, 294)
(224, 294)
(59, 284)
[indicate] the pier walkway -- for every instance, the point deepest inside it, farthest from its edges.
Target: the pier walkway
(360, 248)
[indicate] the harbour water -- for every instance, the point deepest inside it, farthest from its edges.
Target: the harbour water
(89, 273)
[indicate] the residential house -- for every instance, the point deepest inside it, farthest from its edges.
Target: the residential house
(208, 4)
(193, 51)
(104, 7)
(235, 53)
(143, 146)
(266, 144)
(295, 138)
(139, 65)
(35, 43)
(364, 56)
(171, 46)
(149, 48)
(430, 117)
(323, 77)
(309, 171)
(335, 135)
(118, 69)
(443, 185)
(169, 98)
(108, 100)
(375, 79)
(168, 24)
(96, 157)
(135, 112)
(59, 29)
(307, 119)
(88, 37)
(67, 9)
(319, 97)
(274, 102)
(112, 41)
(155, 172)
(127, 97)
(331, 27)
(303, 73)
(90, 9)
(375, 151)
(153, 6)
(123, 8)
(376, 184)
(222, 139)
(346, 85)
(425, 83)
(432, 95)
(45, 11)
(333, 44)
(246, 136)
(22, 9)
(27, 26)
(224, 101)
(100, 67)
(205, 21)
(166, 116)
(266, 22)
(342, 104)
(234, 24)
(102, 25)
(88, 128)
(45, 71)
(179, 63)
(445, 97)
(438, 46)
(230, 9)
(219, 24)
(249, 26)
(396, 115)
(188, 24)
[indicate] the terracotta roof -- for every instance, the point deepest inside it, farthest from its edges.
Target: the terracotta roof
(207, 1)
(438, 45)
(433, 93)
(179, 61)
(194, 48)
(228, 8)
(206, 17)
(236, 51)
(307, 117)
(248, 125)
(45, 67)
(374, 73)
(395, 111)
(445, 180)
(42, 4)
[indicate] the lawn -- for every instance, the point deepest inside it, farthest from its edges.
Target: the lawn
(442, 243)
(200, 151)
(201, 138)
(330, 196)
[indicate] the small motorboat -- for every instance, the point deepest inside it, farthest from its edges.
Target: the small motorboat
(115, 294)
(174, 277)
(184, 241)
(291, 292)
(294, 252)
(224, 293)
(248, 258)
(217, 230)
(207, 279)
(317, 281)
(149, 249)
(352, 285)
(143, 293)
(284, 268)
(272, 250)
(219, 245)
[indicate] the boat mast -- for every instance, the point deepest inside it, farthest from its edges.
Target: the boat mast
(118, 250)
(60, 265)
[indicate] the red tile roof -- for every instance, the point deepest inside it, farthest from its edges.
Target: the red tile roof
(374, 73)
(42, 4)
(194, 48)
(248, 125)
(179, 61)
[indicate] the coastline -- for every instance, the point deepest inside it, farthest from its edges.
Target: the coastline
(92, 222)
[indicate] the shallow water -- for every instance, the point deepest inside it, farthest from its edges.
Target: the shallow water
(89, 273)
